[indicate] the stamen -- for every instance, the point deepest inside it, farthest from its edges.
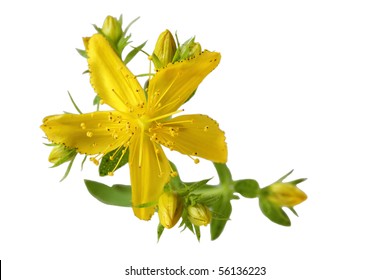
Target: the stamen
(177, 122)
(196, 160)
(94, 160)
(167, 89)
(141, 147)
(165, 115)
(120, 159)
(156, 153)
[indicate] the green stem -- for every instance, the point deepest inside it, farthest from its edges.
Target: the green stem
(224, 175)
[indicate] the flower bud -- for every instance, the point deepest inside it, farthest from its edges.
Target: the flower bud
(112, 29)
(285, 194)
(189, 49)
(165, 49)
(170, 208)
(199, 214)
(60, 154)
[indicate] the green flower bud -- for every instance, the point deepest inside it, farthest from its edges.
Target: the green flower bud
(165, 49)
(285, 194)
(170, 208)
(199, 214)
(60, 154)
(189, 49)
(112, 29)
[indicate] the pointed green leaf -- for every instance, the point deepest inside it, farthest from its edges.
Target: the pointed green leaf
(118, 195)
(134, 52)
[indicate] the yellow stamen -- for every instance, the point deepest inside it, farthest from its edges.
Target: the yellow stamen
(165, 115)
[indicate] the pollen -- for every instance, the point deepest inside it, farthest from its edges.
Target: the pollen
(89, 134)
(206, 128)
(83, 126)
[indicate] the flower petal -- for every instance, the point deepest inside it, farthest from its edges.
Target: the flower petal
(93, 133)
(149, 172)
(194, 135)
(174, 84)
(111, 79)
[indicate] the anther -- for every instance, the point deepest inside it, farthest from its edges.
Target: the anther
(82, 125)
(89, 134)
(94, 160)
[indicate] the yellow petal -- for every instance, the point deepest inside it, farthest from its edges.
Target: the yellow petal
(149, 172)
(93, 133)
(174, 84)
(111, 79)
(194, 135)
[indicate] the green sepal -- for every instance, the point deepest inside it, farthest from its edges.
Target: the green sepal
(175, 183)
(160, 230)
(134, 52)
(248, 188)
(118, 195)
(68, 169)
(273, 212)
(96, 100)
(222, 208)
(197, 232)
(107, 165)
(83, 53)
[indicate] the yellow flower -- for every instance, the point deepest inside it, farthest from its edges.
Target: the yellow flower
(139, 124)
(170, 208)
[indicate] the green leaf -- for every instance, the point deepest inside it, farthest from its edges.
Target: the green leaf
(74, 103)
(118, 195)
(273, 212)
(134, 52)
(113, 161)
(248, 188)
(222, 208)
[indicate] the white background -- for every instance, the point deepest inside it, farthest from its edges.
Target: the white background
(302, 85)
